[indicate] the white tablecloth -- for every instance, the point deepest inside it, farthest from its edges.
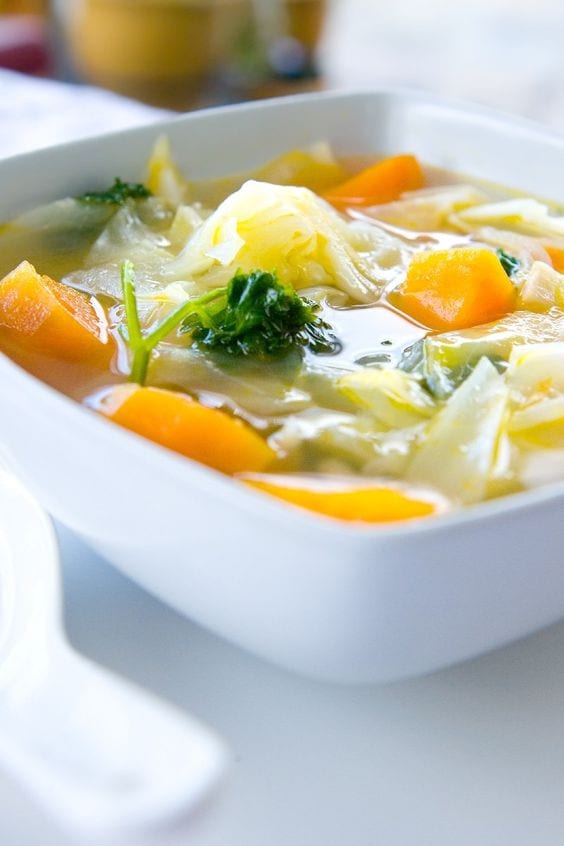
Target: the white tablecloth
(38, 113)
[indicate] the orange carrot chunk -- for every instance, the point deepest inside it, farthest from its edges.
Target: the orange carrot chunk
(351, 501)
(556, 255)
(455, 289)
(44, 316)
(178, 422)
(381, 183)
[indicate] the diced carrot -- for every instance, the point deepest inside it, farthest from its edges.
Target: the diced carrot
(381, 183)
(44, 316)
(352, 501)
(556, 255)
(455, 289)
(178, 422)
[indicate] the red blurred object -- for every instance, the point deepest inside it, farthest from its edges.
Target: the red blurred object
(24, 44)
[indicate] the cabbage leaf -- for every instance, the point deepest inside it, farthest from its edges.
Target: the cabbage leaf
(458, 450)
(289, 230)
(396, 399)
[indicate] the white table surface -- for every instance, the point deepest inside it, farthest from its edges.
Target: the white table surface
(471, 756)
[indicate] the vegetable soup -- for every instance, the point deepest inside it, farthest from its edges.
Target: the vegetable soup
(369, 340)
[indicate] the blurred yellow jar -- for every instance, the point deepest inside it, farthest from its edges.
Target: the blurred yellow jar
(161, 51)
(306, 19)
(23, 7)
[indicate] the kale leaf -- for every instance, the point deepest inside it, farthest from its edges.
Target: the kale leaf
(117, 194)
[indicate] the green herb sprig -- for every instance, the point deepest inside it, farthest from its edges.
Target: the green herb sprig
(253, 316)
(142, 345)
(117, 194)
(256, 316)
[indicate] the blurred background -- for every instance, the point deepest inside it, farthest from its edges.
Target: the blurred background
(183, 54)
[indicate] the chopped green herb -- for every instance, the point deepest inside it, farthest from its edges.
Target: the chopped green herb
(509, 263)
(255, 315)
(117, 194)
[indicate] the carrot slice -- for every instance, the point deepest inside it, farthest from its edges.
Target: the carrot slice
(178, 422)
(381, 183)
(344, 500)
(44, 316)
(556, 255)
(455, 289)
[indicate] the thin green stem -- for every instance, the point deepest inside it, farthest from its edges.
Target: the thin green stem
(175, 318)
(135, 335)
(141, 345)
(140, 365)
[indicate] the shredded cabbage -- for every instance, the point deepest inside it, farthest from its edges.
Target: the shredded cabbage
(286, 229)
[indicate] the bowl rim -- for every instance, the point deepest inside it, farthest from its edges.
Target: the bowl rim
(393, 93)
(231, 489)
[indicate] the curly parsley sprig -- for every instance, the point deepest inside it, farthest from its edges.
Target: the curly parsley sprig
(253, 316)
(256, 316)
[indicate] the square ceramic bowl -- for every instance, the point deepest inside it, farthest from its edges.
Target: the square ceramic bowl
(336, 601)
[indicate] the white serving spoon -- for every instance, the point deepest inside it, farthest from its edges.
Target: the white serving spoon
(94, 749)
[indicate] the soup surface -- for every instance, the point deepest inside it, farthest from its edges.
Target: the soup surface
(371, 340)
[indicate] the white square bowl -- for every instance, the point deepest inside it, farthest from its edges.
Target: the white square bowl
(348, 603)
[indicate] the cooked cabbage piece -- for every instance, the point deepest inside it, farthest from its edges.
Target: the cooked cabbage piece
(284, 228)
(524, 215)
(396, 399)
(536, 378)
(445, 360)
(536, 370)
(524, 248)
(315, 168)
(429, 208)
(457, 452)
(542, 289)
(326, 441)
(541, 422)
(164, 178)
